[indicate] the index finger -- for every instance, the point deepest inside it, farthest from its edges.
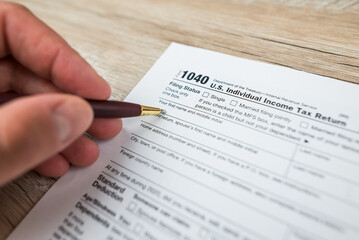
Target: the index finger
(44, 52)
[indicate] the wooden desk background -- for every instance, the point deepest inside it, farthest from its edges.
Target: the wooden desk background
(122, 40)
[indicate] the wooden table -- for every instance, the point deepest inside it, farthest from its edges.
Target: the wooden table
(123, 39)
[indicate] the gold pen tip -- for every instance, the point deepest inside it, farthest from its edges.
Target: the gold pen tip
(163, 111)
(148, 111)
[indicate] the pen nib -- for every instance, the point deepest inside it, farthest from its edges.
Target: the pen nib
(147, 111)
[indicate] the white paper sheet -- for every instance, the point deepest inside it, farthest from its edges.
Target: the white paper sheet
(246, 150)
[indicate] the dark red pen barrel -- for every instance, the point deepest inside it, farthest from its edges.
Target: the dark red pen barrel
(102, 109)
(114, 109)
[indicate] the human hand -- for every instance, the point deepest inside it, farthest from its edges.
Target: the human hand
(44, 131)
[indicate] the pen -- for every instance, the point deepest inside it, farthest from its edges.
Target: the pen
(104, 108)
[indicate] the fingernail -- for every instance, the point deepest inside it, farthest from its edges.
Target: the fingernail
(72, 118)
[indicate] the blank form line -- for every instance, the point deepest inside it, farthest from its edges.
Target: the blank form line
(327, 173)
(291, 162)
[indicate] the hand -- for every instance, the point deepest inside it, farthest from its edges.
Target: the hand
(44, 131)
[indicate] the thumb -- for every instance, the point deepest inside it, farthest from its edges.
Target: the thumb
(32, 129)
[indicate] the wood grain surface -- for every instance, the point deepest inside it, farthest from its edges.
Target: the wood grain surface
(123, 39)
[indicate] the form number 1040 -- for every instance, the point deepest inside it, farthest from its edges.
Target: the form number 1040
(192, 76)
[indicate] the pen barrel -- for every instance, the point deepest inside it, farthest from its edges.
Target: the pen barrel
(102, 109)
(114, 109)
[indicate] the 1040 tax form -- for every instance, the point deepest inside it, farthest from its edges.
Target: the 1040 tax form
(245, 151)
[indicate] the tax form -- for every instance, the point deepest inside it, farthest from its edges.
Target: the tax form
(246, 151)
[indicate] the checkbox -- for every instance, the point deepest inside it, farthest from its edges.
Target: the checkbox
(205, 94)
(132, 206)
(138, 228)
(303, 125)
(203, 233)
(234, 103)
